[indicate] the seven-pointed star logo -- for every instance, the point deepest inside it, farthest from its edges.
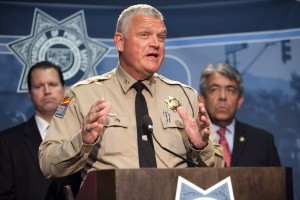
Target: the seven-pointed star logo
(64, 43)
(186, 190)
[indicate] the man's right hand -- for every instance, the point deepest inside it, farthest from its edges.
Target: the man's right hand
(93, 122)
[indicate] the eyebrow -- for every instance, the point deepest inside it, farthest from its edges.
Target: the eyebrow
(226, 86)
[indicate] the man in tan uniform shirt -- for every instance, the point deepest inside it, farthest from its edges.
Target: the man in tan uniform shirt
(95, 125)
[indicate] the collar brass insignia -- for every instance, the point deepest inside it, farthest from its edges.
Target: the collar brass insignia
(173, 103)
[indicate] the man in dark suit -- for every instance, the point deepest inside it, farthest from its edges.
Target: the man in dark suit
(20, 174)
(221, 89)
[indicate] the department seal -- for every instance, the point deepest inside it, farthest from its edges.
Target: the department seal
(65, 43)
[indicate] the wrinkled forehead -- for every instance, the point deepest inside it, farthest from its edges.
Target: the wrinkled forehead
(219, 79)
(147, 21)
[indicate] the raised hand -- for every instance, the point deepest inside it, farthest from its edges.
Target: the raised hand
(93, 122)
(197, 129)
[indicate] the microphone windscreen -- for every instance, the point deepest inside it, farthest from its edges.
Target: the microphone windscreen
(147, 120)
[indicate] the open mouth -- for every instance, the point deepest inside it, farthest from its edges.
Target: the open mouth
(153, 55)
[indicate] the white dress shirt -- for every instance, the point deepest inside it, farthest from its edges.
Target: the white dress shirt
(229, 134)
(42, 126)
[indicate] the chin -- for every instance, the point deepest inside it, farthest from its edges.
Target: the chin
(51, 107)
(222, 117)
(152, 70)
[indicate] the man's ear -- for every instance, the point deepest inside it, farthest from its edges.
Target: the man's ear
(119, 41)
(240, 102)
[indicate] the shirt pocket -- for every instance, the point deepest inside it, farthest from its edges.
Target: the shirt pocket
(116, 121)
(174, 133)
(116, 135)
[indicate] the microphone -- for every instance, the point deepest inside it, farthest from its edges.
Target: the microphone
(148, 128)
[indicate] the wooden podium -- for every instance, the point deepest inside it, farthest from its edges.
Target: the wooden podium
(248, 183)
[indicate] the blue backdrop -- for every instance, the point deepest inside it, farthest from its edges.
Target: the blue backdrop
(260, 38)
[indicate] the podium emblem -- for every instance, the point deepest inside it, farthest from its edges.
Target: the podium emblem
(189, 191)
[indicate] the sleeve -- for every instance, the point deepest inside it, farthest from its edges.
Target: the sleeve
(212, 154)
(63, 151)
(7, 189)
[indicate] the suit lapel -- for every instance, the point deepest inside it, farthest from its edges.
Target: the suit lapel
(240, 141)
(32, 138)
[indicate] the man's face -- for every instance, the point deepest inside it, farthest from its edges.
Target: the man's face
(46, 91)
(222, 99)
(142, 49)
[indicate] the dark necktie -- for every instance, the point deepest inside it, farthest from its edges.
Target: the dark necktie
(224, 143)
(145, 143)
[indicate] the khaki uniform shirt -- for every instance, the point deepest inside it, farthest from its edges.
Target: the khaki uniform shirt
(63, 151)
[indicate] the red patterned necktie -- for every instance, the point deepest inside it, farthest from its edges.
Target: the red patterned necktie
(224, 143)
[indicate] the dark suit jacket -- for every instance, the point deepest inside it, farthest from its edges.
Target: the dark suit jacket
(253, 147)
(20, 174)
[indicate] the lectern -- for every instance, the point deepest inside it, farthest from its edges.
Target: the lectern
(248, 183)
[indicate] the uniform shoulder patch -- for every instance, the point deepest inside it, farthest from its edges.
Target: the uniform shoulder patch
(61, 110)
(218, 152)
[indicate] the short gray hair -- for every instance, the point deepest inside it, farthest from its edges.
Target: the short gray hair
(123, 22)
(224, 69)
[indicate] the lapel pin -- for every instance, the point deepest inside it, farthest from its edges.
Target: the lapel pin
(242, 139)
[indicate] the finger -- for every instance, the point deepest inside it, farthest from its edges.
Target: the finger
(90, 126)
(202, 111)
(182, 113)
(203, 115)
(96, 110)
(205, 136)
(204, 123)
(93, 116)
(98, 105)
(104, 112)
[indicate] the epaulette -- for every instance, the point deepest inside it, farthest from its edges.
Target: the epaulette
(172, 82)
(93, 79)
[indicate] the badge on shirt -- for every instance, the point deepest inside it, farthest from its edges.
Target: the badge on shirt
(61, 110)
(173, 103)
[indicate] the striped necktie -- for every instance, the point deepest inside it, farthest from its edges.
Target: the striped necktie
(224, 143)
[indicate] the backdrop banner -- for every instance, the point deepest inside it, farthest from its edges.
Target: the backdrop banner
(260, 38)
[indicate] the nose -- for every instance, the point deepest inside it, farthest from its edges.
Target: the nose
(222, 94)
(47, 89)
(154, 42)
